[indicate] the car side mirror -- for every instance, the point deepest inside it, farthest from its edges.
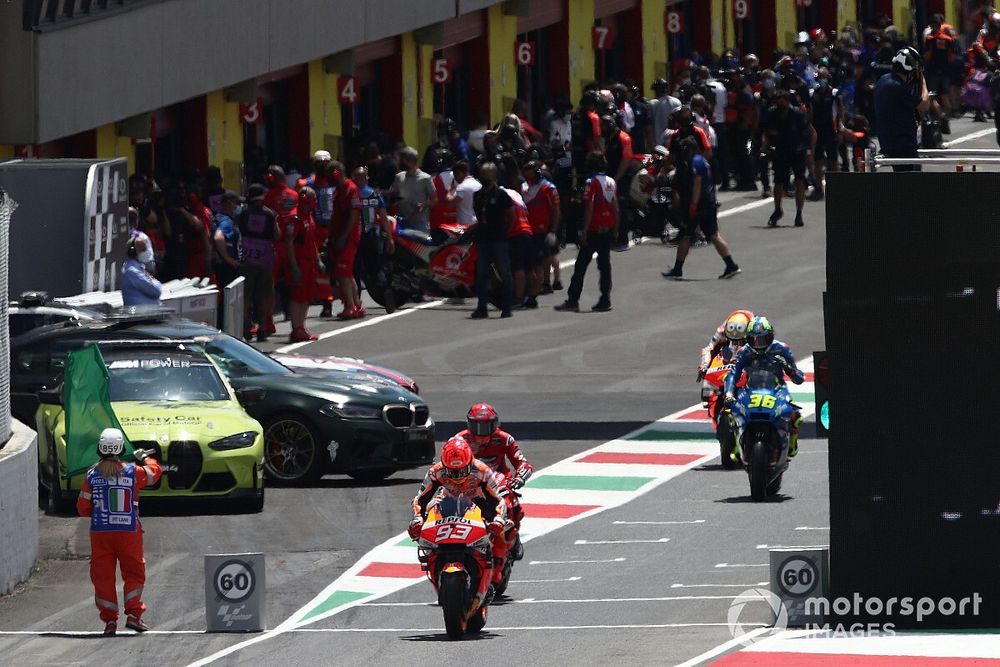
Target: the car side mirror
(51, 396)
(250, 395)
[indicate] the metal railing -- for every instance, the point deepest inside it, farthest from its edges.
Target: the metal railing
(48, 14)
(957, 157)
(7, 206)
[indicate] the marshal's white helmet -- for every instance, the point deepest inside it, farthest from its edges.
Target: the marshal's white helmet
(111, 443)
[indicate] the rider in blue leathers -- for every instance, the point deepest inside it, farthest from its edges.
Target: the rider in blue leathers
(763, 352)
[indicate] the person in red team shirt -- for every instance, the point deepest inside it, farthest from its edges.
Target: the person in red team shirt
(320, 182)
(282, 200)
(519, 245)
(542, 199)
(304, 263)
(199, 247)
(496, 448)
(600, 229)
(345, 237)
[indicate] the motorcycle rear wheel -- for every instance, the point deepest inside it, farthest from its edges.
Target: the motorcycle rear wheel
(451, 597)
(757, 471)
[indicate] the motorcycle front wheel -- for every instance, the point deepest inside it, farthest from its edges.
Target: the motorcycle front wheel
(757, 471)
(451, 597)
(501, 586)
(727, 440)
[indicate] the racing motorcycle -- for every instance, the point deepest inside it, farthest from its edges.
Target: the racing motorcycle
(454, 549)
(713, 387)
(442, 265)
(763, 416)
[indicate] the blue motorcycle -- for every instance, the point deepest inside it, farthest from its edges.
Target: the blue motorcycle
(763, 413)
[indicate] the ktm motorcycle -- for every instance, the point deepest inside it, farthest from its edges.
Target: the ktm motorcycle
(442, 265)
(455, 550)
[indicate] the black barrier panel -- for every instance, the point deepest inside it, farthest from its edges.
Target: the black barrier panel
(910, 231)
(912, 328)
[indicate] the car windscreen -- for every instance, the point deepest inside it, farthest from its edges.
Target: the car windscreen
(237, 359)
(163, 376)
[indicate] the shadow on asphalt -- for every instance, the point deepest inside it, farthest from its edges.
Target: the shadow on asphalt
(442, 637)
(780, 498)
(555, 430)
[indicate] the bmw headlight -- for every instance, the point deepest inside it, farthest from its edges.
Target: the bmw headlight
(351, 411)
(238, 441)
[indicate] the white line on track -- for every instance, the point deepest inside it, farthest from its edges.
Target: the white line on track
(745, 207)
(759, 583)
(667, 598)
(742, 640)
(526, 628)
(812, 528)
(742, 564)
(88, 633)
(969, 137)
(793, 546)
(588, 542)
(574, 562)
(361, 325)
(545, 581)
(93, 633)
(656, 523)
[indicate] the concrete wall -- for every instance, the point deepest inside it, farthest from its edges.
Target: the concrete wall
(74, 78)
(18, 507)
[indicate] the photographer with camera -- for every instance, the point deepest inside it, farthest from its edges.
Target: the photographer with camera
(899, 96)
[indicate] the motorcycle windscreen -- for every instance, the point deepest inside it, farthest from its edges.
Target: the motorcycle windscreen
(761, 378)
(460, 522)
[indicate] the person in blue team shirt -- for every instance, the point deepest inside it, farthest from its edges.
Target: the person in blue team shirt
(138, 287)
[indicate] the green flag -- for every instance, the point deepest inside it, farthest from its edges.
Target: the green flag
(88, 408)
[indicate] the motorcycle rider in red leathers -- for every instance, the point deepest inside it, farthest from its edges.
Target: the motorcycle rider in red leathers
(725, 344)
(459, 473)
(496, 448)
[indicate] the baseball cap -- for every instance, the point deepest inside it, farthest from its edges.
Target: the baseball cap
(322, 155)
(229, 195)
(660, 84)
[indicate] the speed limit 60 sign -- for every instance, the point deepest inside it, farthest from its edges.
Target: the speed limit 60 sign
(234, 592)
(797, 575)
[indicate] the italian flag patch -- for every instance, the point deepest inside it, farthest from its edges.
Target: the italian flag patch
(119, 500)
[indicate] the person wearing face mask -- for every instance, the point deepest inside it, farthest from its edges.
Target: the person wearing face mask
(139, 288)
(786, 133)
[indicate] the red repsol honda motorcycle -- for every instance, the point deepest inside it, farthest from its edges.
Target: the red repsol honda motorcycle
(455, 550)
(443, 265)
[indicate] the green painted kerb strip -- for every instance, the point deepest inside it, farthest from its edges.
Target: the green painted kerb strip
(587, 483)
(657, 434)
(336, 599)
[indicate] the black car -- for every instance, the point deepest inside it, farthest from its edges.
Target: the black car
(315, 422)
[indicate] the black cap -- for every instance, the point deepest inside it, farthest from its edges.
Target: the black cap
(660, 84)
(229, 195)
